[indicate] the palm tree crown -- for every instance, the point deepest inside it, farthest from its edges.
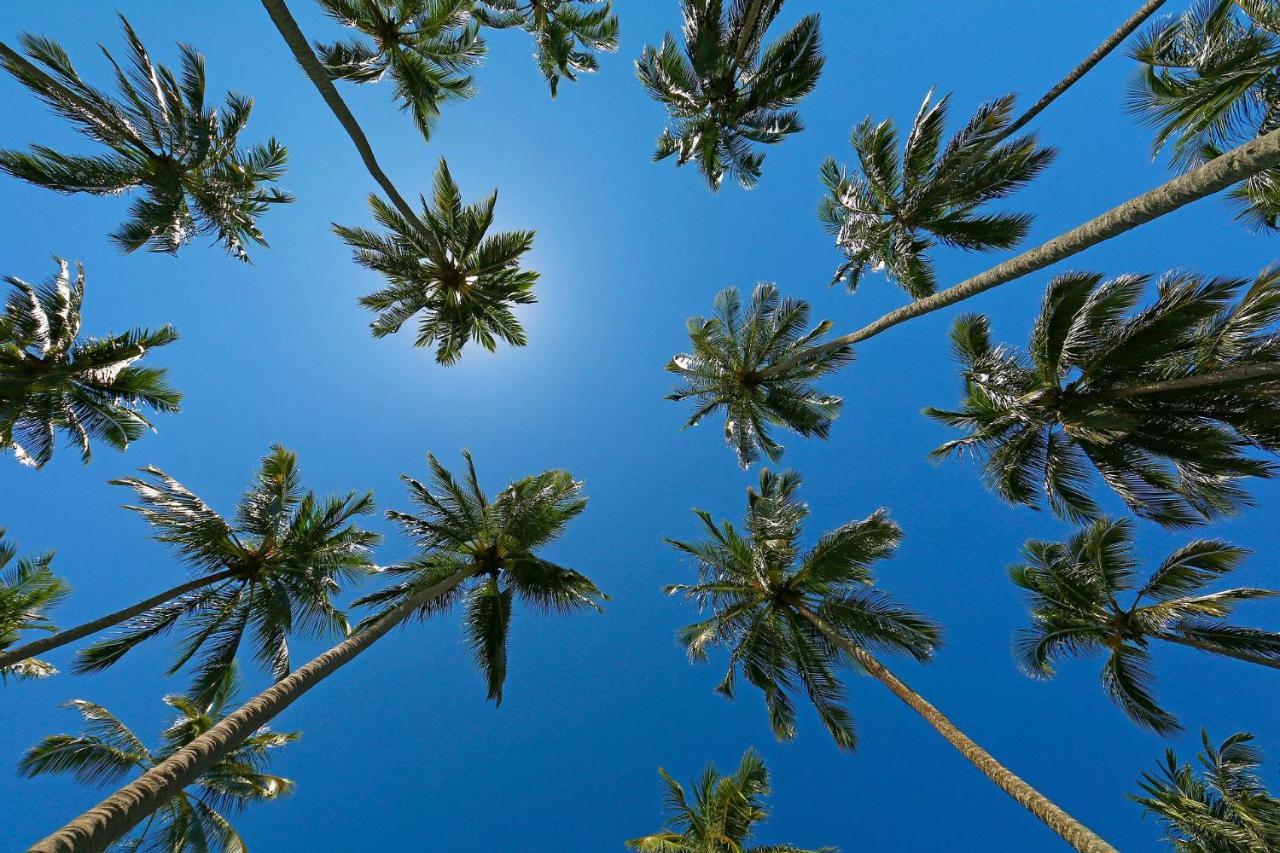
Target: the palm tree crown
(759, 585)
(463, 283)
(52, 379)
(567, 32)
(161, 137)
(285, 554)
(1074, 589)
(723, 92)
(458, 528)
(194, 821)
(758, 365)
(721, 818)
(1152, 399)
(426, 47)
(893, 213)
(27, 589)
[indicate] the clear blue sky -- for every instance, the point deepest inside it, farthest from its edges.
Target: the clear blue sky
(401, 750)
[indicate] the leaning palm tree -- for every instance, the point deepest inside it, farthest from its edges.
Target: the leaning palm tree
(465, 539)
(889, 216)
(53, 380)
(723, 92)
(722, 816)
(27, 589)
(1164, 402)
(189, 821)
(1224, 809)
(426, 48)
(789, 618)
(462, 283)
(161, 138)
(1074, 591)
(270, 573)
(567, 32)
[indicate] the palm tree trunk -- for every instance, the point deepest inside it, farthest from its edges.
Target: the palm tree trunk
(744, 38)
(123, 810)
(1218, 650)
(1112, 42)
(62, 638)
(1252, 373)
(1072, 831)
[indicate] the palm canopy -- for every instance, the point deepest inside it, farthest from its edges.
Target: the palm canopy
(161, 138)
(463, 283)
(457, 528)
(1209, 81)
(1074, 590)
(758, 365)
(725, 91)
(567, 32)
(722, 816)
(27, 589)
(194, 821)
(425, 47)
(757, 584)
(282, 557)
(1223, 808)
(1150, 398)
(53, 380)
(899, 207)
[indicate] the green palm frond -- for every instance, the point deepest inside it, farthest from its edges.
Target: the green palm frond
(568, 33)
(27, 589)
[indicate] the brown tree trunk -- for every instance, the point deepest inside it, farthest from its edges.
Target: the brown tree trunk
(1252, 373)
(1217, 650)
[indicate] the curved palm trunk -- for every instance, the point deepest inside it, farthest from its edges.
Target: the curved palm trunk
(1112, 42)
(1216, 650)
(123, 810)
(1252, 373)
(30, 650)
(1072, 831)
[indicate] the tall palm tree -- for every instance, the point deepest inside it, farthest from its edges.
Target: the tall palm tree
(160, 137)
(898, 208)
(1074, 589)
(462, 282)
(729, 352)
(426, 47)
(567, 32)
(1224, 809)
(789, 618)
(269, 573)
(722, 816)
(27, 589)
(192, 820)
(1164, 403)
(52, 379)
(723, 92)
(464, 538)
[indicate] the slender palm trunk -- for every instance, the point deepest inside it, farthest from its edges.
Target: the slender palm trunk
(30, 650)
(744, 38)
(1072, 831)
(123, 810)
(1206, 381)
(1112, 42)
(1217, 650)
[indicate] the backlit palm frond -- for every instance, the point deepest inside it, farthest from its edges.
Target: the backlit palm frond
(27, 589)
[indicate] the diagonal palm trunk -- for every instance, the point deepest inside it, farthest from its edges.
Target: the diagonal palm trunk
(1216, 650)
(1072, 831)
(62, 638)
(94, 830)
(1240, 375)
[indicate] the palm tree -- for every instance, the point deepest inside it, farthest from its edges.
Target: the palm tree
(463, 283)
(1164, 402)
(161, 137)
(52, 379)
(426, 47)
(722, 816)
(270, 573)
(27, 589)
(1074, 589)
(723, 92)
(1226, 809)
(190, 821)
(463, 537)
(730, 350)
(898, 208)
(567, 32)
(790, 618)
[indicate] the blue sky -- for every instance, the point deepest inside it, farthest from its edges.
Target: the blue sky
(401, 751)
